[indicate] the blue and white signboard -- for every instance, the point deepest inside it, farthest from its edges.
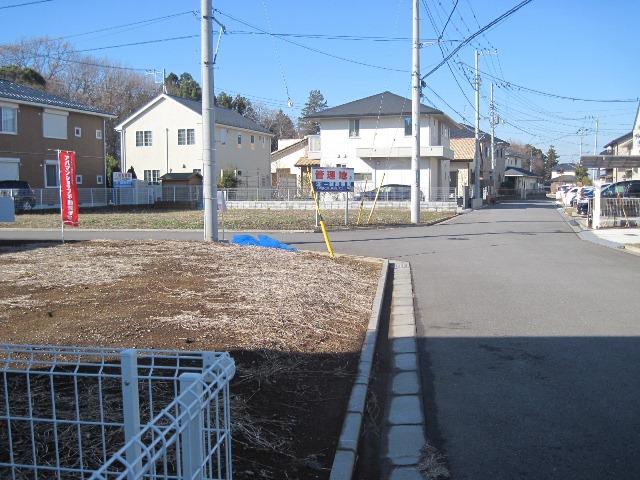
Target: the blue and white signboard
(122, 179)
(338, 179)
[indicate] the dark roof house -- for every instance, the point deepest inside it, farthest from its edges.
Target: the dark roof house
(224, 116)
(35, 124)
(381, 104)
(32, 96)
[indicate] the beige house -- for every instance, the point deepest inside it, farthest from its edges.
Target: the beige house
(463, 144)
(35, 123)
(621, 146)
(165, 136)
(293, 159)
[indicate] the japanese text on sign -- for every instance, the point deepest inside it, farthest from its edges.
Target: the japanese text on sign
(333, 179)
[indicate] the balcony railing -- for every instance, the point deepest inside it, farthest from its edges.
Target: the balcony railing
(404, 152)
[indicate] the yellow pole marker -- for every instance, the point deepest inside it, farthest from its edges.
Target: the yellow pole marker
(323, 227)
(361, 203)
(375, 201)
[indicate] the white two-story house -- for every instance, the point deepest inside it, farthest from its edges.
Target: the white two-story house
(373, 136)
(165, 136)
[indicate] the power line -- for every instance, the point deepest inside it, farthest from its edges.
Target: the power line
(24, 4)
(114, 27)
(323, 36)
(447, 22)
(471, 37)
(508, 84)
(132, 44)
(311, 49)
(91, 64)
(442, 51)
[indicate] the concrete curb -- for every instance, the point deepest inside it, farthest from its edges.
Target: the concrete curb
(587, 235)
(404, 432)
(345, 458)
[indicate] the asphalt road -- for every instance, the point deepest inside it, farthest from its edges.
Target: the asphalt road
(530, 341)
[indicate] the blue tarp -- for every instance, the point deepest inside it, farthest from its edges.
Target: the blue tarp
(261, 241)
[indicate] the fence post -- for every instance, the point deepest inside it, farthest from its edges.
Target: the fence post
(131, 408)
(191, 437)
(595, 221)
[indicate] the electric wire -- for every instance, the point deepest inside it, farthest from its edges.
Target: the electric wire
(483, 29)
(15, 5)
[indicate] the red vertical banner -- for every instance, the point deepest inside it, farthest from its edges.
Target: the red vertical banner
(68, 188)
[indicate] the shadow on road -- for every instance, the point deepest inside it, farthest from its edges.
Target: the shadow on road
(534, 408)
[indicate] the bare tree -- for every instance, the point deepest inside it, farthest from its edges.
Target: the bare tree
(105, 85)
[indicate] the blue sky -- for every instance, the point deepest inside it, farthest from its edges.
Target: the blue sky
(570, 47)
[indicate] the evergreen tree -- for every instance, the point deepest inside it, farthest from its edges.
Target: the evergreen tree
(183, 86)
(24, 75)
(582, 175)
(316, 103)
(550, 162)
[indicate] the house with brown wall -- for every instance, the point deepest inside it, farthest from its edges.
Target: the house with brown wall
(34, 124)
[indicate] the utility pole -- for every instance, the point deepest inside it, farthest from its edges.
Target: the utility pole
(210, 194)
(595, 150)
(476, 156)
(492, 119)
(415, 117)
(581, 132)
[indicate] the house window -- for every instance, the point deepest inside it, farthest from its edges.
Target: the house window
(151, 176)
(144, 138)
(239, 139)
(186, 136)
(77, 131)
(341, 165)
(9, 122)
(51, 176)
(314, 143)
(223, 136)
(407, 126)
(197, 170)
(361, 177)
(98, 134)
(54, 125)
(253, 139)
(99, 178)
(354, 128)
(262, 140)
(79, 179)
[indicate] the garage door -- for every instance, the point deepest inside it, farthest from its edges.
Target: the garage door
(9, 169)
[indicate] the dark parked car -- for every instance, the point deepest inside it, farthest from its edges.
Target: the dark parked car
(23, 197)
(392, 191)
(624, 189)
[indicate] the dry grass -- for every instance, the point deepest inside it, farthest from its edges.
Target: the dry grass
(432, 464)
(254, 298)
(240, 219)
(293, 321)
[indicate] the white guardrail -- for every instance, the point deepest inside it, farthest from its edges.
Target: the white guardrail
(72, 412)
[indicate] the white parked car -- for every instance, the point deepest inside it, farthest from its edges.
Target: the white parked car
(569, 196)
(562, 189)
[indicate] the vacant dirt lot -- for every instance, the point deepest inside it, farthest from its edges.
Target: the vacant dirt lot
(294, 323)
(241, 219)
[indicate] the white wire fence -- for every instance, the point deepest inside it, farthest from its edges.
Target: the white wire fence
(190, 197)
(80, 413)
(616, 212)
